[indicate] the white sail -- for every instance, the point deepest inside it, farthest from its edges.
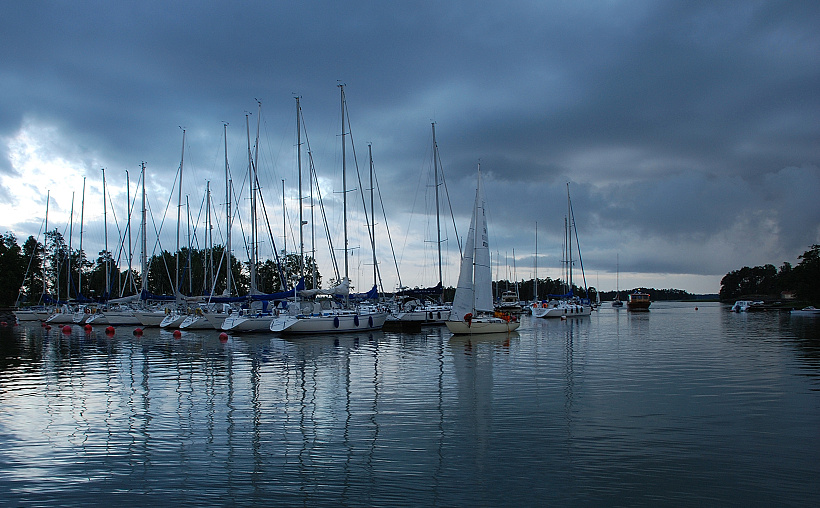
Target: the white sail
(483, 271)
(474, 290)
(465, 290)
(473, 302)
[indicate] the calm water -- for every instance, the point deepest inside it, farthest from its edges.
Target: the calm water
(676, 407)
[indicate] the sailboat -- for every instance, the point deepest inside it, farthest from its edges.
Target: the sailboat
(325, 315)
(617, 303)
(472, 311)
(416, 306)
(566, 305)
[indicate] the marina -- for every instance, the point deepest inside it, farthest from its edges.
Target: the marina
(685, 405)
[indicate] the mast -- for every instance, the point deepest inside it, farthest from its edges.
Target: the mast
(188, 221)
(143, 238)
(253, 208)
(209, 239)
(105, 234)
(438, 218)
(177, 281)
(45, 239)
(299, 170)
(228, 185)
(256, 187)
(569, 240)
(479, 195)
(68, 256)
(535, 291)
(284, 222)
(128, 227)
(372, 214)
(344, 182)
(80, 268)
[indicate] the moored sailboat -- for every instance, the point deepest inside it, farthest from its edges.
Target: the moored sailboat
(473, 311)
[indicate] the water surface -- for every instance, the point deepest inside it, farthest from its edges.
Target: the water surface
(676, 406)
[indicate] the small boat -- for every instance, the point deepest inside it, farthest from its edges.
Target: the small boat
(617, 303)
(509, 303)
(807, 311)
(638, 301)
(747, 306)
(563, 308)
(473, 311)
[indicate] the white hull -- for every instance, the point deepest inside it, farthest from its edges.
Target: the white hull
(329, 322)
(121, 318)
(482, 325)
(195, 322)
(38, 314)
(562, 309)
(150, 317)
(216, 319)
(61, 318)
(82, 316)
(172, 320)
(237, 323)
(436, 315)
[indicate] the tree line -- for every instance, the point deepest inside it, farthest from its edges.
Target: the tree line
(769, 282)
(29, 272)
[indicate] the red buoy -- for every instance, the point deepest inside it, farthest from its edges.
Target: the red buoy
(138, 332)
(109, 330)
(67, 329)
(223, 337)
(87, 327)
(47, 327)
(3, 323)
(177, 334)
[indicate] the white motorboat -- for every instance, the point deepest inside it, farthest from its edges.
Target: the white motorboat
(747, 306)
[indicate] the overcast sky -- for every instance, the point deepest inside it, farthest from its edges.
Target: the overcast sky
(689, 131)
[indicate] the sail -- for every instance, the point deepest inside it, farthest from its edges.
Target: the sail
(483, 271)
(465, 290)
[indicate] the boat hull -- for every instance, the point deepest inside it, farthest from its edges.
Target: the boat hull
(197, 322)
(150, 318)
(237, 323)
(482, 326)
(341, 322)
(562, 311)
(172, 320)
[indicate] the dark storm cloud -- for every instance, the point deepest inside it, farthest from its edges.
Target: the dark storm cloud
(676, 122)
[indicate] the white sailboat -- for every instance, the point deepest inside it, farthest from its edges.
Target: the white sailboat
(567, 305)
(617, 303)
(424, 311)
(325, 315)
(472, 311)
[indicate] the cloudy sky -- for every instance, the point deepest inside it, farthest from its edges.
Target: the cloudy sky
(689, 131)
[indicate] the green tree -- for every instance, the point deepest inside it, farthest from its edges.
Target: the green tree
(12, 269)
(33, 282)
(807, 275)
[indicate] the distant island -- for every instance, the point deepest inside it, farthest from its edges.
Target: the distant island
(790, 285)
